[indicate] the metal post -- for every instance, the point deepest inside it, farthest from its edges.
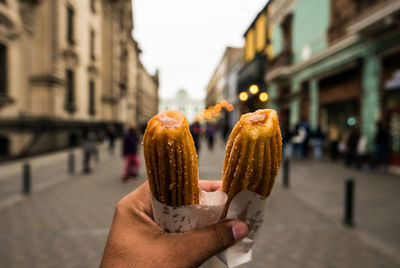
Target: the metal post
(349, 202)
(286, 171)
(71, 163)
(26, 178)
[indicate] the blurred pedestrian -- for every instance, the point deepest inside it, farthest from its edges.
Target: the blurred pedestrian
(93, 137)
(298, 141)
(87, 149)
(333, 138)
(305, 145)
(111, 135)
(286, 136)
(130, 146)
(318, 143)
(225, 131)
(211, 128)
(352, 146)
(195, 130)
(380, 154)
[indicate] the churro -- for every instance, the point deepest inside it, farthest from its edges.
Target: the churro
(171, 160)
(253, 155)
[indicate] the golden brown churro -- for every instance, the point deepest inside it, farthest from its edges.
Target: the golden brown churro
(171, 160)
(253, 155)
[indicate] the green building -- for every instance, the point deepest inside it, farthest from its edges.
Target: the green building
(335, 61)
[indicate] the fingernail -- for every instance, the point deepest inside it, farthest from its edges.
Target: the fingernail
(239, 230)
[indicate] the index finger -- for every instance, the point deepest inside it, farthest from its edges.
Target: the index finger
(209, 185)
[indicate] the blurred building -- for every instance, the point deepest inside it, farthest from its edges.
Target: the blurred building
(182, 102)
(147, 96)
(67, 66)
(223, 84)
(331, 61)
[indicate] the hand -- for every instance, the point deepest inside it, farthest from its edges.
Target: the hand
(135, 240)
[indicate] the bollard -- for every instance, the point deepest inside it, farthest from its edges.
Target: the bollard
(349, 202)
(71, 163)
(26, 178)
(286, 172)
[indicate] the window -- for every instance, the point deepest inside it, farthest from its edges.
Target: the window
(70, 25)
(3, 70)
(4, 147)
(93, 6)
(70, 86)
(92, 102)
(92, 45)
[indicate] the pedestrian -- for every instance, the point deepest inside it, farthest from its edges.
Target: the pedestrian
(352, 146)
(210, 133)
(87, 149)
(286, 137)
(195, 130)
(318, 143)
(380, 154)
(93, 137)
(298, 141)
(111, 135)
(305, 145)
(333, 138)
(225, 131)
(130, 146)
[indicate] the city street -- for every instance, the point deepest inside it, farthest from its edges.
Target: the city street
(65, 223)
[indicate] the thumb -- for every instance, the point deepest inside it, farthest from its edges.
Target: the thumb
(210, 241)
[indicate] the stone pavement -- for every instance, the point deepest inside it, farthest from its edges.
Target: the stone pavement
(66, 225)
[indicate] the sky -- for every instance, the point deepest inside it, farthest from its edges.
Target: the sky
(185, 40)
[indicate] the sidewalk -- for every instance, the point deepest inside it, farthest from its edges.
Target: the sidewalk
(46, 170)
(66, 225)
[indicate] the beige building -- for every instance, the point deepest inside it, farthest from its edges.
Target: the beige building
(147, 95)
(67, 65)
(217, 88)
(223, 86)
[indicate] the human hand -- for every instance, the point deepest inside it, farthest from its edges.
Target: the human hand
(135, 240)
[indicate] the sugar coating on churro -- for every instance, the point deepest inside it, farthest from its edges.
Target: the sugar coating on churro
(169, 122)
(171, 160)
(253, 154)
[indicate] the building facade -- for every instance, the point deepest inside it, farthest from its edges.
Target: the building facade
(183, 103)
(223, 84)
(147, 96)
(67, 65)
(334, 61)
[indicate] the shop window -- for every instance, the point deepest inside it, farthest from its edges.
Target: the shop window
(70, 25)
(4, 147)
(70, 87)
(3, 70)
(92, 100)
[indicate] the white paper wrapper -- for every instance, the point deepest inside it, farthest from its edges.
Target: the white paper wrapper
(187, 218)
(246, 206)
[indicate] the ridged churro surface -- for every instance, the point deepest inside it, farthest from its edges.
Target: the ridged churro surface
(171, 160)
(253, 154)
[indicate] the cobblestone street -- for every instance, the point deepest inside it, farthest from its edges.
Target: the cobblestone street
(66, 224)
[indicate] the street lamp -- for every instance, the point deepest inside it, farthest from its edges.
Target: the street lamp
(243, 96)
(263, 96)
(224, 103)
(253, 89)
